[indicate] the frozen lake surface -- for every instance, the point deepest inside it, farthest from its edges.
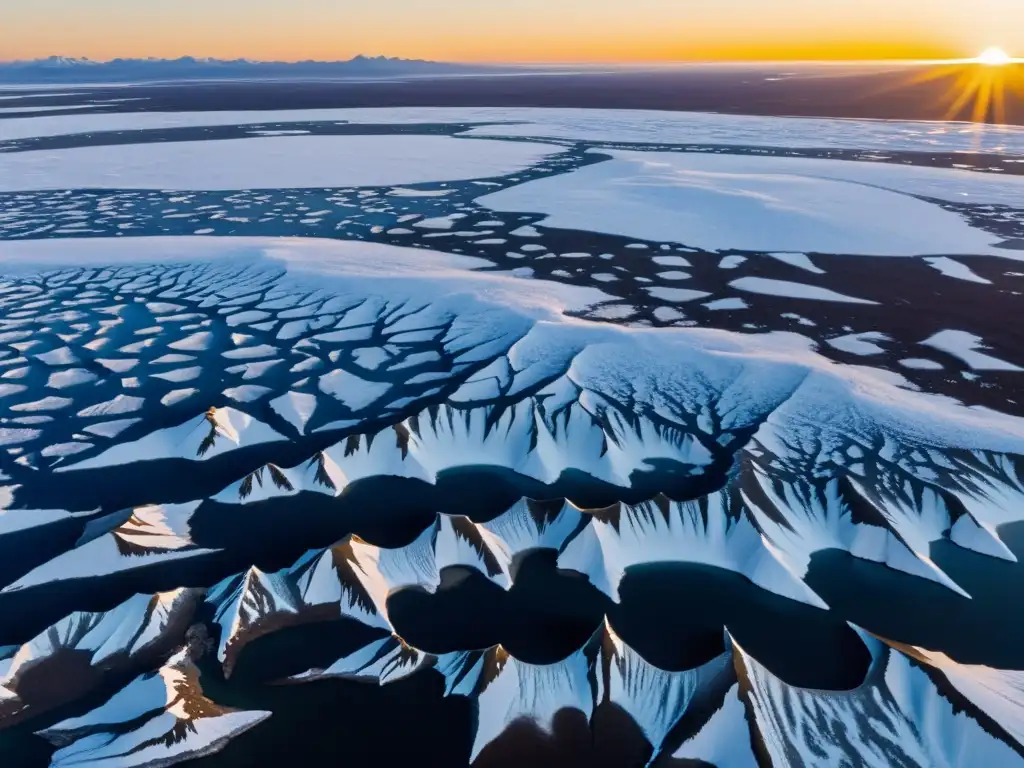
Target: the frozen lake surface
(538, 436)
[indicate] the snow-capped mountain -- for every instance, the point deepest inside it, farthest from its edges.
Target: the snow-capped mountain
(72, 69)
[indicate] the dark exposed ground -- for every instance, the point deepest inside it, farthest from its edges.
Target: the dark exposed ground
(896, 91)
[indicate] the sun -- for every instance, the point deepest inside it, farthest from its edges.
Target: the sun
(978, 89)
(994, 57)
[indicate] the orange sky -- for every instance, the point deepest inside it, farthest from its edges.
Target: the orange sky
(512, 30)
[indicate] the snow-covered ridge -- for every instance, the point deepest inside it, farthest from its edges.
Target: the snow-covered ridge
(897, 717)
(151, 535)
(215, 432)
(533, 391)
(354, 579)
(893, 712)
(792, 454)
(771, 517)
(897, 713)
(713, 531)
(140, 627)
(160, 718)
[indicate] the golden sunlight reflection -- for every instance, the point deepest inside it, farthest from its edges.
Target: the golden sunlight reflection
(977, 88)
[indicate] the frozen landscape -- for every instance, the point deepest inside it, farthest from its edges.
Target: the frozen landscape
(509, 436)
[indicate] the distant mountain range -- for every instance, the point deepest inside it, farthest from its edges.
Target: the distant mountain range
(64, 69)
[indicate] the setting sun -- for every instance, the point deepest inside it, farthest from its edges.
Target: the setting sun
(994, 57)
(977, 89)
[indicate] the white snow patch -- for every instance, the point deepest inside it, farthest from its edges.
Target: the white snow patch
(12, 520)
(965, 346)
(118, 365)
(29, 110)
(110, 428)
(769, 287)
(268, 163)
(176, 396)
(799, 260)
(280, 133)
(60, 356)
(921, 364)
(217, 431)
(726, 304)
(65, 449)
(715, 202)
(647, 126)
(162, 530)
(654, 126)
(725, 740)
(354, 392)
(672, 261)
(525, 231)
(70, 377)
(441, 222)
(246, 393)
(120, 404)
(951, 268)
(731, 262)
(402, 192)
(343, 266)
(197, 342)
(51, 403)
(181, 374)
(676, 294)
(859, 343)
(296, 408)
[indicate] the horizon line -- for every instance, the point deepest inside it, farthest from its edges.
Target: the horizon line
(537, 63)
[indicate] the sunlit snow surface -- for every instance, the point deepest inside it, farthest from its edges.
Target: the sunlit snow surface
(787, 204)
(268, 163)
(621, 425)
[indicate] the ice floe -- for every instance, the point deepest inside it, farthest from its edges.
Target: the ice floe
(579, 124)
(951, 268)
(965, 346)
(785, 204)
(767, 286)
(268, 163)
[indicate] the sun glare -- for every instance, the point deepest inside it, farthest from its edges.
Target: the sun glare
(978, 89)
(994, 57)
